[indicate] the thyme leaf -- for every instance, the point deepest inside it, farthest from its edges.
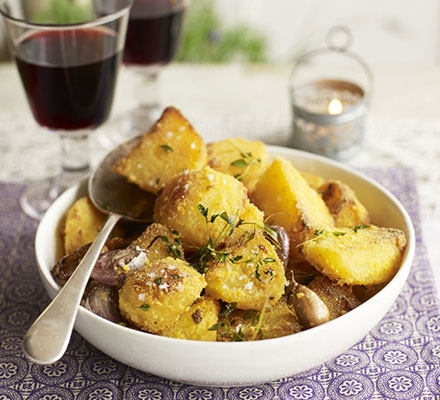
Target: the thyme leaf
(240, 163)
(167, 148)
(203, 210)
(356, 228)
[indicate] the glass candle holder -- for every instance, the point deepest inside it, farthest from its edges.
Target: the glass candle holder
(329, 118)
(329, 114)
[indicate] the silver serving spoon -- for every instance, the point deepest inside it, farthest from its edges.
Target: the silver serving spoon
(46, 340)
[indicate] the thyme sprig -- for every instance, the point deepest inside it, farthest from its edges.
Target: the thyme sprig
(233, 329)
(174, 246)
(246, 161)
(320, 232)
(209, 252)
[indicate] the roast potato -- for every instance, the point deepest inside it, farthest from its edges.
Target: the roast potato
(251, 274)
(339, 299)
(170, 147)
(159, 242)
(82, 225)
(343, 204)
(190, 201)
(287, 200)
(153, 298)
(364, 255)
(244, 159)
(276, 321)
(195, 323)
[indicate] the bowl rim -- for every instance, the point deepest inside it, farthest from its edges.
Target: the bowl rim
(274, 151)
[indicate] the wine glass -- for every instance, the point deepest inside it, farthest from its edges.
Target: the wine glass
(153, 37)
(68, 69)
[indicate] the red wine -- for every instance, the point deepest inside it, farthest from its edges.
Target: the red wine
(69, 76)
(154, 40)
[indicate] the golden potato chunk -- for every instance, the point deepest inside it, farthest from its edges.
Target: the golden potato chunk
(343, 204)
(153, 298)
(159, 242)
(82, 225)
(314, 181)
(170, 147)
(287, 200)
(360, 256)
(244, 159)
(189, 203)
(253, 215)
(252, 219)
(339, 299)
(277, 320)
(280, 320)
(250, 275)
(194, 324)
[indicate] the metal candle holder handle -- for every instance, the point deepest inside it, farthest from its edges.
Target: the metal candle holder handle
(338, 135)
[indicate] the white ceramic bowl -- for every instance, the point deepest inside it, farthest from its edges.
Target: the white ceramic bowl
(240, 363)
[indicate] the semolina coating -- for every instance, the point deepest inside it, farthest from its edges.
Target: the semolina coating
(178, 206)
(159, 242)
(343, 204)
(286, 198)
(82, 225)
(256, 275)
(244, 159)
(366, 256)
(194, 324)
(339, 299)
(171, 146)
(153, 298)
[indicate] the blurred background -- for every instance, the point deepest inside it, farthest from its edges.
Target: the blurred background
(221, 31)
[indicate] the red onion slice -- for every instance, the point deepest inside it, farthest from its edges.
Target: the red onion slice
(284, 249)
(101, 300)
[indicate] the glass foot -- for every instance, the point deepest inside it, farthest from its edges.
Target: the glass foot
(38, 196)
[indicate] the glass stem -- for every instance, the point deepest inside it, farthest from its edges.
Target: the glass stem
(74, 157)
(150, 103)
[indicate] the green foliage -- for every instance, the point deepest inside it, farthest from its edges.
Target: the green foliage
(65, 12)
(206, 41)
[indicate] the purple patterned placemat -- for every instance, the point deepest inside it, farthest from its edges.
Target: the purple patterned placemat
(398, 359)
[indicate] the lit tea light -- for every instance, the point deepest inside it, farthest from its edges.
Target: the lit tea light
(335, 107)
(329, 114)
(328, 117)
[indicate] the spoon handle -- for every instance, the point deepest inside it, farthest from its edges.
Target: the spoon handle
(46, 340)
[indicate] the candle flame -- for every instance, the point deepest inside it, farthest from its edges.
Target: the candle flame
(335, 107)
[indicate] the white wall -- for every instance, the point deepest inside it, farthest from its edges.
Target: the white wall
(385, 31)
